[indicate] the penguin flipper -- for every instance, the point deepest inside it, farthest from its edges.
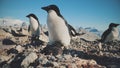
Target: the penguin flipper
(72, 31)
(29, 28)
(104, 35)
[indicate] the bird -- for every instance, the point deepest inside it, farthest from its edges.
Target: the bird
(111, 33)
(34, 25)
(58, 28)
(36, 29)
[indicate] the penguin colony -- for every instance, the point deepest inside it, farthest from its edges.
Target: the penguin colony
(60, 31)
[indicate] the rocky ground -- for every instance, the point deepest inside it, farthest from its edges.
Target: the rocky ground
(81, 54)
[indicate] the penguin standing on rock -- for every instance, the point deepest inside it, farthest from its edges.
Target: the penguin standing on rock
(36, 29)
(58, 28)
(111, 33)
(34, 25)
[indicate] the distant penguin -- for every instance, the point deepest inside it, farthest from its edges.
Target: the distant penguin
(111, 33)
(58, 28)
(36, 29)
(34, 25)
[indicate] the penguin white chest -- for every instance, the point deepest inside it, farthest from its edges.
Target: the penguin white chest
(58, 31)
(34, 23)
(113, 35)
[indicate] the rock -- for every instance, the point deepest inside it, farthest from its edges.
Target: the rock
(72, 65)
(67, 57)
(55, 64)
(43, 37)
(92, 62)
(54, 49)
(4, 58)
(85, 63)
(60, 58)
(8, 42)
(13, 51)
(48, 64)
(100, 45)
(6, 66)
(19, 48)
(51, 58)
(29, 59)
(62, 67)
(42, 59)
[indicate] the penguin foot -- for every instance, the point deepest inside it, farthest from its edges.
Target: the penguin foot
(54, 49)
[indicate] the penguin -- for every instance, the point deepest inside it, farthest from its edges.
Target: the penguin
(58, 28)
(111, 33)
(34, 25)
(36, 29)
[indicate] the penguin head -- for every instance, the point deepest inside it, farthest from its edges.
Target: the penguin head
(112, 25)
(51, 7)
(32, 15)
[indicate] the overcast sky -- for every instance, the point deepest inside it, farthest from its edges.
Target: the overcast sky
(78, 13)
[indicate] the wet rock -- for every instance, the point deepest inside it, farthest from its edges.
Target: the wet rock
(29, 59)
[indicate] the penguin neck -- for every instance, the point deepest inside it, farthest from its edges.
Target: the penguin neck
(52, 12)
(115, 29)
(34, 23)
(33, 19)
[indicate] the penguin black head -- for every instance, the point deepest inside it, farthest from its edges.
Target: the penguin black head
(113, 25)
(32, 15)
(52, 7)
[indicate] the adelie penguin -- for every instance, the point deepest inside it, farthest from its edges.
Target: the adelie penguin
(35, 28)
(111, 33)
(58, 28)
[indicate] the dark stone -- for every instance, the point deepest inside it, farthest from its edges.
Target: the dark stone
(54, 49)
(8, 42)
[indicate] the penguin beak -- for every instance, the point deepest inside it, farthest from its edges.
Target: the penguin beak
(117, 24)
(45, 8)
(27, 16)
